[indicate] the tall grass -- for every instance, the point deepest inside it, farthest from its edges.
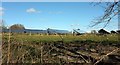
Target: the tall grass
(34, 48)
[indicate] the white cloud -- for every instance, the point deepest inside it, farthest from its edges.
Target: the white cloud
(32, 10)
(1, 11)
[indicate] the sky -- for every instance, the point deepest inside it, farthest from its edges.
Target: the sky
(58, 0)
(55, 15)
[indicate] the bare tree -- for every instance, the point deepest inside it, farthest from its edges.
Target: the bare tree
(111, 9)
(2, 24)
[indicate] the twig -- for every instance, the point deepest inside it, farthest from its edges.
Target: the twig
(41, 53)
(8, 59)
(108, 14)
(114, 51)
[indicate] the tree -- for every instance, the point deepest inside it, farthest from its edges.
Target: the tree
(111, 9)
(93, 31)
(17, 27)
(2, 25)
(102, 31)
(113, 32)
(118, 31)
(48, 31)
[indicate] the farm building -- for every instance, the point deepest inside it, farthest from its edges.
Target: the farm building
(53, 31)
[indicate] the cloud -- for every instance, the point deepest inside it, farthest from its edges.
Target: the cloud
(1, 11)
(32, 10)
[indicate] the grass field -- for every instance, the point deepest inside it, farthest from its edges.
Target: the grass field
(35, 48)
(66, 38)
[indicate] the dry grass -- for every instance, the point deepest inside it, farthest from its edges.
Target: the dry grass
(50, 49)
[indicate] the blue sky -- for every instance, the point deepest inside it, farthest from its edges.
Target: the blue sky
(58, 0)
(56, 15)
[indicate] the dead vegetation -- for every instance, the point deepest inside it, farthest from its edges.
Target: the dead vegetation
(62, 53)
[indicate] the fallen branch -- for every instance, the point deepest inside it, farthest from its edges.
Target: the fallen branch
(114, 51)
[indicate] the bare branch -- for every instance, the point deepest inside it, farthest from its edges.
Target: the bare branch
(114, 51)
(111, 10)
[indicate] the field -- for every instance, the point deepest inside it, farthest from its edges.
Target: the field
(36, 48)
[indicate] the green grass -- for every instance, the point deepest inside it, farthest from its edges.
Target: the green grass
(67, 38)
